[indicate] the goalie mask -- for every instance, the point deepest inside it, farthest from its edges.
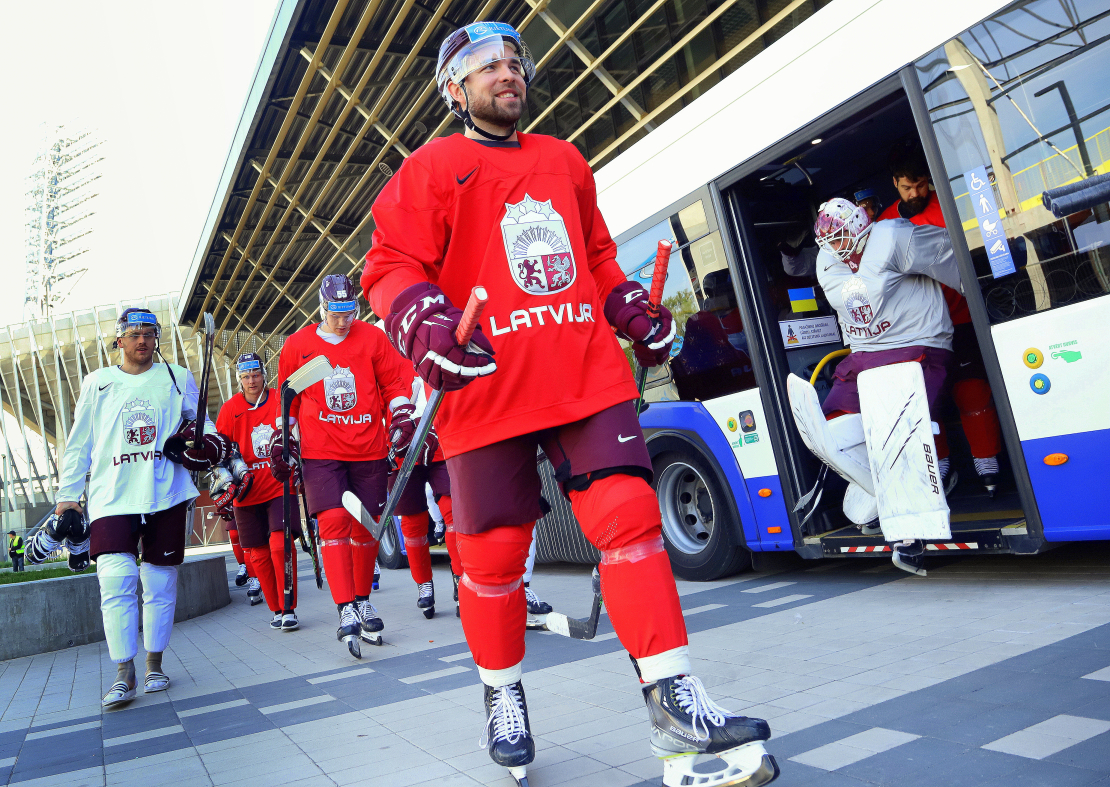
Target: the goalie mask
(841, 230)
(134, 320)
(338, 296)
(475, 46)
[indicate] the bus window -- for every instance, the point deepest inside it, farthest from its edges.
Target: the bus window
(709, 357)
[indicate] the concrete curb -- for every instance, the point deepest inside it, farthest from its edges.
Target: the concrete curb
(52, 614)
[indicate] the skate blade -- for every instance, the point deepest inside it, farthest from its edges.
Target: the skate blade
(255, 601)
(353, 646)
(537, 622)
(745, 766)
(907, 566)
(371, 639)
(519, 773)
(429, 613)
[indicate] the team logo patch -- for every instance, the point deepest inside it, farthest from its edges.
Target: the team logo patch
(139, 426)
(340, 390)
(260, 440)
(857, 301)
(537, 246)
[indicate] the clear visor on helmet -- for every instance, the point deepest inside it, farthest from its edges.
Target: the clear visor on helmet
(246, 367)
(487, 51)
(137, 323)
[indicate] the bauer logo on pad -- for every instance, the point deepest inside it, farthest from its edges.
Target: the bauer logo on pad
(538, 248)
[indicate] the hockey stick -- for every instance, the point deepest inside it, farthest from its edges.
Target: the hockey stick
(311, 373)
(205, 375)
(471, 314)
(655, 297)
(575, 628)
(310, 534)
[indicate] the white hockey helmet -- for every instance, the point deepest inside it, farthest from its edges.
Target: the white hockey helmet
(842, 230)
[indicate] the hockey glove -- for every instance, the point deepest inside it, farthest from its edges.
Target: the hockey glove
(214, 448)
(422, 324)
(402, 425)
(626, 309)
(285, 471)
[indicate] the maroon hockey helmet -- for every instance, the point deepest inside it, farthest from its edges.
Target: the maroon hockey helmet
(338, 295)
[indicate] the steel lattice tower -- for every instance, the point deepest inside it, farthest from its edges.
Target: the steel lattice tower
(59, 187)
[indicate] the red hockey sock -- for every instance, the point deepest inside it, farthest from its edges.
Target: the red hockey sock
(979, 418)
(940, 440)
(491, 594)
(620, 516)
(277, 554)
(237, 550)
(444, 504)
(263, 568)
(364, 552)
(415, 529)
(335, 550)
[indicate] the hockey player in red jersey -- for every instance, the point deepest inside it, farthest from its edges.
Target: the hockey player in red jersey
(517, 213)
(342, 445)
(248, 486)
(970, 389)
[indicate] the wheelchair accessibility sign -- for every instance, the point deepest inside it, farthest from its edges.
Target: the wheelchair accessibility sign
(981, 194)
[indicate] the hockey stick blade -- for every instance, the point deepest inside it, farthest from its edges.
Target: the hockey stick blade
(313, 372)
(575, 628)
(356, 509)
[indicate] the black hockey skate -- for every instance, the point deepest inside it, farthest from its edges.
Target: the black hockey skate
(370, 625)
(537, 610)
(700, 742)
(254, 591)
(455, 581)
(241, 575)
(78, 555)
(910, 556)
(349, 628)
(508, 735)
(426, 602)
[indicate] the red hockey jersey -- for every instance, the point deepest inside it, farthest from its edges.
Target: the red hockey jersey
(341, 418)
(957, 303)
(251, 428)
(523, 222)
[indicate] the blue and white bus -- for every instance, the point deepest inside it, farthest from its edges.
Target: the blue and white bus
(1007, 102)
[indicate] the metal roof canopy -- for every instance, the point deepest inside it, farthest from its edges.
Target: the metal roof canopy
(344, 90)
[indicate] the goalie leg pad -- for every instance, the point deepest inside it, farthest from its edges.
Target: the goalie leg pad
(839, 443)
(859, 506)
(159, 603)
(118, 577)
(904, 464)
(619, 514)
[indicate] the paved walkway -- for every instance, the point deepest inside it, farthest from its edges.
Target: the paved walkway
(991, 671)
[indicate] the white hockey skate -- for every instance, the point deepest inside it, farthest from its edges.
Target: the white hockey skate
(254, 592)
(701, 743)
(349, 626)
(370, 625)
(426, 601)
(508, 735)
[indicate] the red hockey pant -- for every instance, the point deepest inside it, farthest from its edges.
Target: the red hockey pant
(268, 564)
(348, 551)
(237, 550)
(620, 516)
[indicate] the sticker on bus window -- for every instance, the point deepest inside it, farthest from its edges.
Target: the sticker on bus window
(812, 330)
(981, 193)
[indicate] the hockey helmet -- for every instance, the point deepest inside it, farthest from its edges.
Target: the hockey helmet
(864, 196)
(133, 319)
(472, 47)
(250, 362)
(842, 230)
(338, 296)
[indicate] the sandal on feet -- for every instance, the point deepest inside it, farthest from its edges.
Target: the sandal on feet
(119, 694)
(155, 681)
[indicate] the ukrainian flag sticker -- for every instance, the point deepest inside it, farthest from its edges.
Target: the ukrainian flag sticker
(803, 300)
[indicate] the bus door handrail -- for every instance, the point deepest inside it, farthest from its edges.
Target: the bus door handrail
(817, 369)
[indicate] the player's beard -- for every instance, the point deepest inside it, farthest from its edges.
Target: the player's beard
(501, 114)
(912, 207)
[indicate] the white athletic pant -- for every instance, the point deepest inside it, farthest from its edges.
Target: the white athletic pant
(118, 576)
(531, 561)
(433, 508)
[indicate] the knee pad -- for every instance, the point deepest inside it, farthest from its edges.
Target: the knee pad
(495, 557)
(839, 443)
(415, 530)
(490, 591)
(335, 526)
(972, 396)
(119, 568)
(618, 511)
(159, 582)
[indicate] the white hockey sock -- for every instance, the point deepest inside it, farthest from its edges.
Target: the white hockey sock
(118, 576)
(988, 466)
(943, 466)
(667, 664)
(159, 603)
(496, 678)
(531, 560)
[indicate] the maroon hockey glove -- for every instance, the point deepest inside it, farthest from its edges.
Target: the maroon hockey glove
(224, 504)
(402, 425)
(281, 469)
(214, 448)
(428, 450)
(243, 488)
(626, 309)
(422, 324)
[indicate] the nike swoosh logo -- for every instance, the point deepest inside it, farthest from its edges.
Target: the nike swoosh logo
(621, 439)
(103, 387)
(305, 356)
(238, 414)
(167, 554)
(461, 181)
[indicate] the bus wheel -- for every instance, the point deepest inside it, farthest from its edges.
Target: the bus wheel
(698, 525)
(389, 553)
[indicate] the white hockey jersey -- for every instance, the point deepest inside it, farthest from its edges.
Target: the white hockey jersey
(120, 424)
(894, 299)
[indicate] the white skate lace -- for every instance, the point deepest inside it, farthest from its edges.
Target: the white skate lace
(426, 589)
(532, 597)
(988, 466)
(693, 699)
(366, 611)
(506, 718)
(253, 584)
(242, 569)
(348, 616)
